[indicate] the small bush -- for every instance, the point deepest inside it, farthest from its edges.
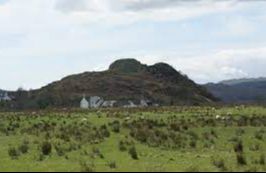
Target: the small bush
(24, 148)
(41, 157)
(219, 163)
(241, 160)
(85, 167)
(262, 159)
(59, 150)
(46, 148)
(133, 153)
(193, 144)
(112, 165)
(105, 132)
(239, 148)
(259, 135)
(122, 146)
(97, 152)
(214, 133)
(13, 153)
(254, 147)
(116, 127)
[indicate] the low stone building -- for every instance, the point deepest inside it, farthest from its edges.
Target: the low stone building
(109, 103)
(130, 104)
(4, 96)
(96, 101)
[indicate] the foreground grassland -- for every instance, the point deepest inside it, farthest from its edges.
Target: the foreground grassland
(153, 139)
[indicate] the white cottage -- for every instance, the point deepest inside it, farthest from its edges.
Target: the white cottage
(84, 104)
(4, 96)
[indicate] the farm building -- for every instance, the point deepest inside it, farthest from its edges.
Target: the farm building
(4, 96)
(96, 101)
(84, 104)
(109, 103)
(130, 104)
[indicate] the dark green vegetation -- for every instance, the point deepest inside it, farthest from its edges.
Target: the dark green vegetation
(152, 139)
(125, 80)
(244, 91)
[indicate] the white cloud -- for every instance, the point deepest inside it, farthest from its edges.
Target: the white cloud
(128, 11)
(224, 64)
(136, 5)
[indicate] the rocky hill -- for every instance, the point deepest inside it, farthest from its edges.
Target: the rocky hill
(126, 79)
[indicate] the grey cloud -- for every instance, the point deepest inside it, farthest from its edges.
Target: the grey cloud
(130, 5)
(141, 5)
(71, 5)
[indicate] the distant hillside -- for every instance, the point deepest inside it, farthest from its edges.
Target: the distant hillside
(250, 91)
(243, 80)
(126, 79)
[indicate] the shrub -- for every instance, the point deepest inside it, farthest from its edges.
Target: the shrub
(241, 160)
(41, 157)
(262, 159)
(219, 163)
(24, 148)
(214, 134)
(122, 146)
(239, 148)
(193, 135)
(259, 135)
(116, 127)
(46, 148)
(13, 153)
(193, 144)
(112, 165)
(105, 132)
(97, 152)
(255, 147)
(133, 153)
(85, 167)
(59, 150)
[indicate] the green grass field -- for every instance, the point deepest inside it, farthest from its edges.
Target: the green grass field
(153, 139)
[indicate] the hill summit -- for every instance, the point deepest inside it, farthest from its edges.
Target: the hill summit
(125, 80)
(127, 66)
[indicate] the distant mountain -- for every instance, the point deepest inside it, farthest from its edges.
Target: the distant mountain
(249, 91)
(243, 80)
(126, 79)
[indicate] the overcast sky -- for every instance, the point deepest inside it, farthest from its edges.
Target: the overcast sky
(209, 40)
